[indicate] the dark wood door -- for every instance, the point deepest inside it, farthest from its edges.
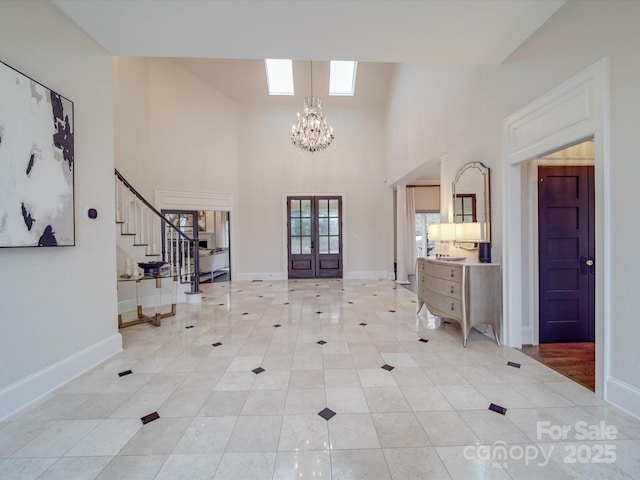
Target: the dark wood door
(314, 237)
(566, 254)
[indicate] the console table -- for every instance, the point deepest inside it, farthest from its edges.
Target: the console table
(156, 318)
(466, 292)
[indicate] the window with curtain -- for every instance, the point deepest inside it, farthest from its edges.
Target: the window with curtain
(427, 212)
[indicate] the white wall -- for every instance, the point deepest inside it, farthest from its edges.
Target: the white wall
(577, 36)
(58, 305)
(172, 130)
(270, 168)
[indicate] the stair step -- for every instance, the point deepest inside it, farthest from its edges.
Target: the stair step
(140, 244)
(129, 234)
(152, 254)
(119, 222)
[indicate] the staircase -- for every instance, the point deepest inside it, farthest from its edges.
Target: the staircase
(154, 238)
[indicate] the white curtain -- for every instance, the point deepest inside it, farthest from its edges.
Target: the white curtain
(410, 222)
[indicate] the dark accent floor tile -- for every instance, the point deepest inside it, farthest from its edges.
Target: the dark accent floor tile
(318, 313)
(321, 342)
(189, 326)
(362, 324)
(327, 414)
(286, 303)
(217, 344)
(497, 408)
(424, 340)
(254, 281)
(392, 311)
(258, 370)
(387, 367)
(277, 325)
(245, 313)
(150, 418)
(513, 364)
(374, 294)
(126, 372)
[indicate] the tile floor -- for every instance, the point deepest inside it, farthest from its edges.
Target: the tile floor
(427, 417)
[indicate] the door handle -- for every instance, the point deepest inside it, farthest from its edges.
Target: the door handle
(587, 265)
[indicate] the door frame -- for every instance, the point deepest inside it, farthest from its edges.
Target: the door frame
(285, 220)
(570, 113)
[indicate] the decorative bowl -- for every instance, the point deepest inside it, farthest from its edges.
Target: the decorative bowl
(151, 268)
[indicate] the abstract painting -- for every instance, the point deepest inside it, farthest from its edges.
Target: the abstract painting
(36, 164)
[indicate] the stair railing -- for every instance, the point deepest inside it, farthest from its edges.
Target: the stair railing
(141, 220)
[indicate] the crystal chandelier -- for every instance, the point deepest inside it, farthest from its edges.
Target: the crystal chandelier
(311, 132)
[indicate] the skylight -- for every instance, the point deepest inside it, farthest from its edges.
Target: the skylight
(279, 76)
(342, 79)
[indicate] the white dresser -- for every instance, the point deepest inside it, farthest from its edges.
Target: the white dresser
(466, 292)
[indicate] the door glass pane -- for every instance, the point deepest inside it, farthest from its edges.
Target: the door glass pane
(306, 245)
(295, 208)
(334, 226)
(334, 245)
(295, 226)
(323, 226)
(306, 226)
(295, 245)
(333, 208)
(305, 208)
(324, 245)
(323, 208)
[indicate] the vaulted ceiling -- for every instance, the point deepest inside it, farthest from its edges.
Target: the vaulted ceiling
(224, 42)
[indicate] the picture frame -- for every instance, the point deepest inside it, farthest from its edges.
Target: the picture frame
(37, 161)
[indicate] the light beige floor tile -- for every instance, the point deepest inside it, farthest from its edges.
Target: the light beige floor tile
(424, 399)
(397, 430)
(265, 402)
(106, 439)
(24, 468)
(255, 434)
(446, 428)
(303, 432)
(137, 467)
(221, 403)
(158, 437)
(422, 463)
(302, 464)
(359, 464)
(246, 466)
(352, 431)
(57, 439)
(189, 467)
(346, 400)
(206, 435)
(76, 468)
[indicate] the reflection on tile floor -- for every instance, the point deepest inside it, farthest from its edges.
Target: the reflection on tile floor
(239, 399)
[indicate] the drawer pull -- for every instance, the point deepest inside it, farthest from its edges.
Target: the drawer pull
(452, 309)
(451, 288)
(451, 273)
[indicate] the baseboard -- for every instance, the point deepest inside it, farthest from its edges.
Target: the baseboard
(527, 336)
(624, 396)
(369, 275)
(259, 276)
(30, 389)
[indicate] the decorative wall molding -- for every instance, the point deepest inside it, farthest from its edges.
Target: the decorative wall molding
(572, 112)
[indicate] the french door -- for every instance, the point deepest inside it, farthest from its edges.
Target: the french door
(314, 236)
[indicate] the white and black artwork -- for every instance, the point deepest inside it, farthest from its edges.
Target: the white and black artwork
(36, 164)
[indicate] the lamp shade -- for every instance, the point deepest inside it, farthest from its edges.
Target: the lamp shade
(468, 232)
(447, 232)
(434, 231)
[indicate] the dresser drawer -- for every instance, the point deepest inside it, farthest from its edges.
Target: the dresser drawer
(444, 287)
(452, 273)
(444, 306)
